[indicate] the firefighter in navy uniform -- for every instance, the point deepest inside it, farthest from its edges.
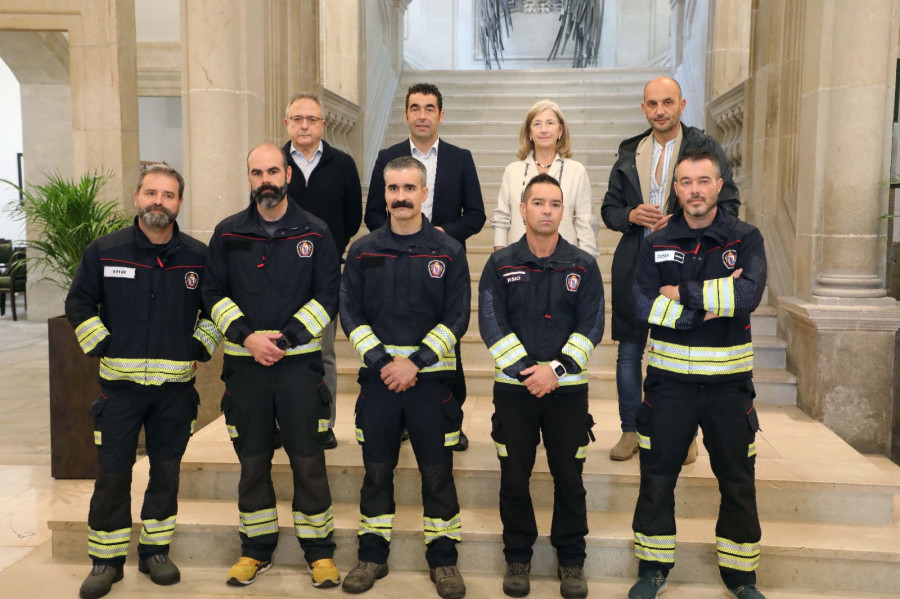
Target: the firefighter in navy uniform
(540, 312)
(405, 303)
(272, 287)
(697, 282)
(134, 303)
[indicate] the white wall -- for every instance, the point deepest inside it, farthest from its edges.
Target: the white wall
(157, 20)
(160, 130)
(10, 144)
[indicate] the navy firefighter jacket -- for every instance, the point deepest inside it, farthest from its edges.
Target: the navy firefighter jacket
(533, 310)
(135, 305)
(682, 344)
(399, 299)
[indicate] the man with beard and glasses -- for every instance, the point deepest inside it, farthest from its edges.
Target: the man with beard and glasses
(641, 199)
(404, 305)
(271, 288)
(134, 303)
(696, 284)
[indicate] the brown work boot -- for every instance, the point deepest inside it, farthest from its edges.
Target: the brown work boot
(99, 582)
(625, 448)
(363, 576)
(692, 452)
(449, 582)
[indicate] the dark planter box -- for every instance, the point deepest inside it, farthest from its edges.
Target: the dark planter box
(73, 388)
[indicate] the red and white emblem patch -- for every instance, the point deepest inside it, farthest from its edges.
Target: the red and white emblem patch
(436, 269)
(191, 280)
(305, 248)
(573, 282)
(729, 258)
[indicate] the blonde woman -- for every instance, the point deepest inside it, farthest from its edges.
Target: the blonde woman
(545, 147)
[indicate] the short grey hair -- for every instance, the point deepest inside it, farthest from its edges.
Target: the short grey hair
(302, 96)
(404, 162)
(160, 168)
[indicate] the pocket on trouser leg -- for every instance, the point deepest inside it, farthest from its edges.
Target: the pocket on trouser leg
(587, 437)
(498, 437)
(97, 412)
(323, 413)
(358, 420)
(453, 421)
(644, 418)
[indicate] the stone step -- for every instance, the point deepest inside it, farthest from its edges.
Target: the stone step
(532, 76)
(852, 557)
(508, 109)
(39, 575)
(582, 129)
(478, 142)
(476, 85)
(795, 492)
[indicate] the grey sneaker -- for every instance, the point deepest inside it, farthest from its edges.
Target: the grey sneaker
(572, 584)
(748, 591)
(99, 582)
(160, 568)
(649, 585)
(363, 576)
(449, 582)
(515, 581)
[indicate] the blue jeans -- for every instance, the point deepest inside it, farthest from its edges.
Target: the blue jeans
(629, 378)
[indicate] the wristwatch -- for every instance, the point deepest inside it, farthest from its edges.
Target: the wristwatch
(558, 368)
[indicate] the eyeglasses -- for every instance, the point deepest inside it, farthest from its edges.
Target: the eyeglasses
(299, 118)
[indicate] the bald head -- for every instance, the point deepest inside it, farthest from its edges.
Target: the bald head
(268, 150)
(662, 107)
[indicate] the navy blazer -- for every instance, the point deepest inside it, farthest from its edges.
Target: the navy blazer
(458, 206)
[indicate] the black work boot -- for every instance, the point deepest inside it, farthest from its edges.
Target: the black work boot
(161, 569)
(515, 581)
(572, 584)
(363, 576)
(449, 582)
(99, 582)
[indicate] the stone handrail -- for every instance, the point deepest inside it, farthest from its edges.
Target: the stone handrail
(727, 112)
(341, 116)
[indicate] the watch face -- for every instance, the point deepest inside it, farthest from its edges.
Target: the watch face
(559, 370)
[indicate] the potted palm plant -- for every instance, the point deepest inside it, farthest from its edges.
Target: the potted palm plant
(68, 215)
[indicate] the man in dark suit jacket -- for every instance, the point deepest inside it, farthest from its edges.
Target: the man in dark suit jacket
(325, 182)
(454, 204)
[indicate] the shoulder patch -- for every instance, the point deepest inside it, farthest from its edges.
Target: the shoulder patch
(573, 282)
(729, 258)
(191, 280)
(436, 269)
(305, 248)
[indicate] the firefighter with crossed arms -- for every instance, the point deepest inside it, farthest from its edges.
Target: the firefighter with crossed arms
(697, 281)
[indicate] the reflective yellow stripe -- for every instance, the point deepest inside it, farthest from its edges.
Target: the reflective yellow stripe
(451, 439)
(737, 556)
(91, 332)
(144, 371)
(108, 544)
(507, 351)
(567, 380)
(436, 528)
(579, 348)
(655, 548)
(157, 532)
(377, 525)
(193, 426)
(225, 312)
(98, 438)
(685, 359)
(260, 522)
(501, 450)
(360, 436)
(665, 312)
(441, 341)
(718, 296)
(363, 339)
(314, 317)
(324, 425)
(314, 526)
(643, 441)
(405, 351)
(751, 450)
(233, 349)
(207, 334)
(232, 431)
(581, 454)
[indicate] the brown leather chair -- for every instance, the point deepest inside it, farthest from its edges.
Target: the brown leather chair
(12, 276)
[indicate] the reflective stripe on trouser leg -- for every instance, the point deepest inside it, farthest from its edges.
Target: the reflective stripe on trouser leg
(436, 528)
(259, 523)
(659, 548)
(157, 532)
(314, 526)
(105, 545)
(737, 556)
(381, 526)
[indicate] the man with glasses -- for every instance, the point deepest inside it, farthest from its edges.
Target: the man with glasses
(325, 182)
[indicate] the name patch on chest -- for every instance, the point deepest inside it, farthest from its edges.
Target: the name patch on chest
(119, 272)
(516, 276)
(669, 256)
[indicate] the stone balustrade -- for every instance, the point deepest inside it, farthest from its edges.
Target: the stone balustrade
(727, 112)
(341, 116)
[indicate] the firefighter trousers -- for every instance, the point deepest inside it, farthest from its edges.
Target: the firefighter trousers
(168, 417)
(667, 421)
(291, 393)
(519, 421)
(430, 413)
